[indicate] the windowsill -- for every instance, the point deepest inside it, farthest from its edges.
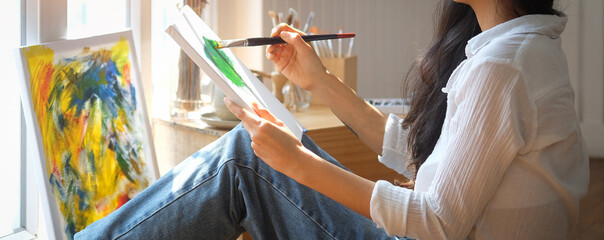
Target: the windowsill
(190, 124)
(21, 235)
(314, 118)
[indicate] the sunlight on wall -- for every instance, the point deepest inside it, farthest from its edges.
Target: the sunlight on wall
(10, 122)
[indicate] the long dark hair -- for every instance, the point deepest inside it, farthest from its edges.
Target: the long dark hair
(456, 23)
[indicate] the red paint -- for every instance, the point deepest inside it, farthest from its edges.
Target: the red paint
(57, 172)
(45, 82)
(122, 199)
(126, 73)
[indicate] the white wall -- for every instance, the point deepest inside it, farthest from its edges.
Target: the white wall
(583, 42)
(247, 23)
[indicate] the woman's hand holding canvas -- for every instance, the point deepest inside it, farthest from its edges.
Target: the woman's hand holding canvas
(274, 143)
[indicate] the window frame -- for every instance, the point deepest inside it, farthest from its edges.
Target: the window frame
(28, 195)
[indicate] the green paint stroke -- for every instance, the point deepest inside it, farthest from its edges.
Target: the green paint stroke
(222, 61)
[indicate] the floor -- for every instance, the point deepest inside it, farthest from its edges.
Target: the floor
(591, 215)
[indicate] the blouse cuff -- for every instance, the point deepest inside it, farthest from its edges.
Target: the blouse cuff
(388, 207)
(394, 149)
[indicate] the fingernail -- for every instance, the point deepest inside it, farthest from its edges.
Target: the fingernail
(225, 99)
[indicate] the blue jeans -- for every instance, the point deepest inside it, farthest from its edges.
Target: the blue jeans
(223, 190)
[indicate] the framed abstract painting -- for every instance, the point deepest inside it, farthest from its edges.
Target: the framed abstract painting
(83, 101)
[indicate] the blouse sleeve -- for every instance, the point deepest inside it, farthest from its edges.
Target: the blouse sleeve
(394, 149)
(482, 134)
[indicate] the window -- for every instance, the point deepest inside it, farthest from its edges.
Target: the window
(10, 123)
(166, 53)
(93, 17)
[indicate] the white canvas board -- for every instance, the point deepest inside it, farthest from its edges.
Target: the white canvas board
(192, 34)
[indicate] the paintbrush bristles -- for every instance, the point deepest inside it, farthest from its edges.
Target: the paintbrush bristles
(272, 14)
(273, 17)
(230, 43)
(196, 5)
(294, 16)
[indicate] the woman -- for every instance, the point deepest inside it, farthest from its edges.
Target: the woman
(491, 141)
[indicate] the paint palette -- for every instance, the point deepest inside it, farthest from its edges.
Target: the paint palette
(211, 119)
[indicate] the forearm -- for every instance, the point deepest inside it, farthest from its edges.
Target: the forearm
(336, 183)
(366, 121)
(278, 147)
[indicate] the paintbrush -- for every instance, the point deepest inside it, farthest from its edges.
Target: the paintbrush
(279, 18)
(340, 44)
(350, 43)
(307, 24)
(329, 47)
(275, 40)
(294, 16)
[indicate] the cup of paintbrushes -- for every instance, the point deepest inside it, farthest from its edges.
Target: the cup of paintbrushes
(292, 96)
(279, 82)
(296, 99)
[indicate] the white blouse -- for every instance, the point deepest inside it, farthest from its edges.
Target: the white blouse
(510, 162)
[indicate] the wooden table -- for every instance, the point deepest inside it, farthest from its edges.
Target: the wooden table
(175, 140)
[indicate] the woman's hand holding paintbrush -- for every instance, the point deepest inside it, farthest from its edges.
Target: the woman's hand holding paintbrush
(296, 60)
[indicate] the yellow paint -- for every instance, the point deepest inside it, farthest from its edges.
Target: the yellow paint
(120, 120)
(120, 53)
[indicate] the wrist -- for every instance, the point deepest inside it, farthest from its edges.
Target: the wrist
(322, 83)
(302, 166)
